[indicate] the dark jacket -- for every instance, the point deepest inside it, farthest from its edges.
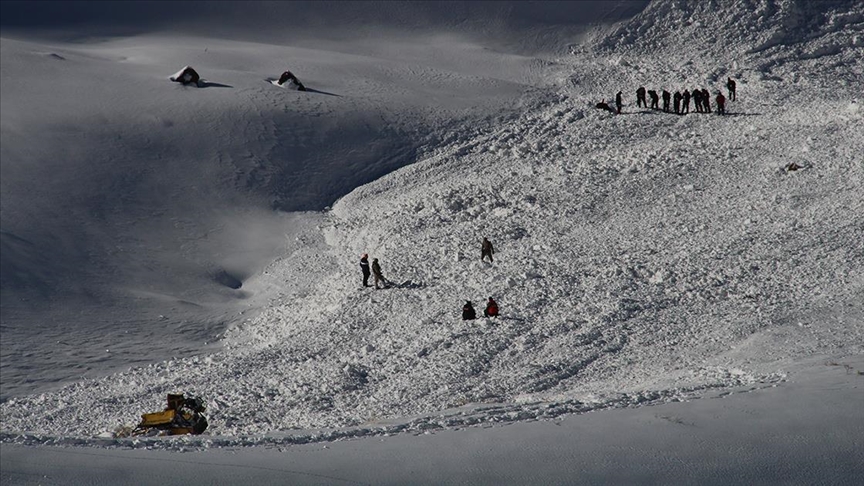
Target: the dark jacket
(468, 312)
(487, 247)
(364, 265)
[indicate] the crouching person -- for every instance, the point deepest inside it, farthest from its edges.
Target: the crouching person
(468, 312)
(491, 309)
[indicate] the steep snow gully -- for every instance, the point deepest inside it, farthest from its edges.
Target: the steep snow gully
(640, 258)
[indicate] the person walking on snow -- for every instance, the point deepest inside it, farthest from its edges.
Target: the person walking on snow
(730, 84)
(491, 309)
(697, 100)
(618, 102)
(706, 100)
(685, 107)
(666, 96)
(364, 267)
(640, 98)
(721, 103)
(654, 99)
(468, 312)
(486, 250)
(376, 272)
(676, 101)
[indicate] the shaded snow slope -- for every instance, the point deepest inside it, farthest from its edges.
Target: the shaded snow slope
(129, 199)
(368, 26)
(135, 211)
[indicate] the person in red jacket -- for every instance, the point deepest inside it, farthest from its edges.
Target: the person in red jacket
(721, 103)
(491, 309)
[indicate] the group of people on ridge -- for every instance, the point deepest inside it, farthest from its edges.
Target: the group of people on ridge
(374, 270)
(680, 101)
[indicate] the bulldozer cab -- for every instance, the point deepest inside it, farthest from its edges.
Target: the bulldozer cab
(175, 401)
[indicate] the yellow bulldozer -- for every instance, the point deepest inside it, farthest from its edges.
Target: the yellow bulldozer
(183, 415)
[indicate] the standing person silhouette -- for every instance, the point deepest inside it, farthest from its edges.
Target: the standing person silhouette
(379, 277)
(640, 98)
(618, 102)
(364, 267)
(730, 84)
(721, 103)
(486, 249)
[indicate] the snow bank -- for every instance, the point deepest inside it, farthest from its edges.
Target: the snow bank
(801, 432)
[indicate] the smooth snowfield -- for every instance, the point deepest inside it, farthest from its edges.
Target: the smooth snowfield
(160, 238)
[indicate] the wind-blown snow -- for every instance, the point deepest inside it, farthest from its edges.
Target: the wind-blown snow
(640, 259)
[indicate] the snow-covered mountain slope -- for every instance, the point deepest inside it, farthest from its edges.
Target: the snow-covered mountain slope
(639, 258)
(130, 199)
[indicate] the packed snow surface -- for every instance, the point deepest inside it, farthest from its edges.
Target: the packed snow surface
(639, 258)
